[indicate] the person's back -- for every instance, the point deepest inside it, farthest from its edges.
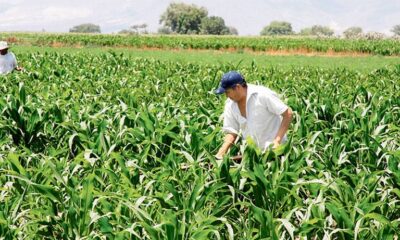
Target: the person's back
(8, 61)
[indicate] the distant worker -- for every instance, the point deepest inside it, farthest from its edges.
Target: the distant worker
(254, 111)
(8, 62)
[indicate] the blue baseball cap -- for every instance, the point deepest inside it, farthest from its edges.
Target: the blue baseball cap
(229, 80)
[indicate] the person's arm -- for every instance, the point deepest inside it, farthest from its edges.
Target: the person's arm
(230, 128)
(286, 119)
(15, 64)
(228, 142)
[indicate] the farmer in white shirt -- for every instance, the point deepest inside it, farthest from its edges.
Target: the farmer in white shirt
(7, 59)
(254, 111)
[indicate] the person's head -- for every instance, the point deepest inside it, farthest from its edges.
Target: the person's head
(3, 47)
(233, 85)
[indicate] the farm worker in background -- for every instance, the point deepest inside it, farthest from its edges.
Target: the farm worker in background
(7, 59)
(254, 111)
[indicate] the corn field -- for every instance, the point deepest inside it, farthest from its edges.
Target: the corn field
(384, 47)
(117, 147)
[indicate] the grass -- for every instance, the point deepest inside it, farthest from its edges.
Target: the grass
(362, 63)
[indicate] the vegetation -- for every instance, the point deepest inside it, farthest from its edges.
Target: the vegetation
(113, 146)
(214, 26)
(183, 18)
(135, 29)
(278, 28)
(362, 64)
(86, 28)
(396, 30)
(352, 32)
(164, 30)
(233, 30)
(317, 30)
(385, 47)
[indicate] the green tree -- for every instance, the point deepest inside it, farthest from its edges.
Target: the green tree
(305, 31)
(213, 25)
(321, 30)
(233, 31)
(374, 36)
(86, 28)
(352, 32)
(164, 30)
(396, 30)
(183, 18)
(135, 29)
(139, 28)
(277, 28)
(317, 30)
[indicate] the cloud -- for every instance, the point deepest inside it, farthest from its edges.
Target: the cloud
(65, 13)
(26, 18)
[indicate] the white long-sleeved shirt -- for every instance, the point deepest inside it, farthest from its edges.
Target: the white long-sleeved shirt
(263, 116)
(7, 63)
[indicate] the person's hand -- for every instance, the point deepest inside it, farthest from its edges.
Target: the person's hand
(219, 156)
(19, 68)
(276, 143)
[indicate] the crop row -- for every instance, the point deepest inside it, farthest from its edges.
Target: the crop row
(386, 47)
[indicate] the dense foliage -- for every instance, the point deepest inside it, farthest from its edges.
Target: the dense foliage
(121, 147)
(317, 30)
(277, 28)
(353, 32)
(86, 28)
(183, 18)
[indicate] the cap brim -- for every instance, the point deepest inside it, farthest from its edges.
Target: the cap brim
(219, 90)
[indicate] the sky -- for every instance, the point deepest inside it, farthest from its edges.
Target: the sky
(247, 16)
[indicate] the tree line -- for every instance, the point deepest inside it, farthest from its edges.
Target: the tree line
(181, 18)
